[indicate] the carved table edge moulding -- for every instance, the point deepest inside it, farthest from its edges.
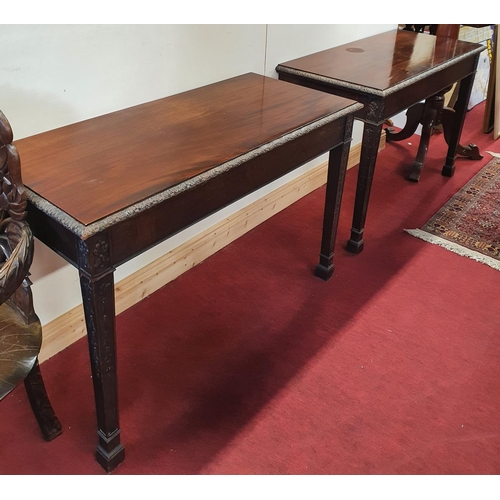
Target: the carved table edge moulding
(86, 231)
(371, 90)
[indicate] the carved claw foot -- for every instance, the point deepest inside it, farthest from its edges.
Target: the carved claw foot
(471, 151)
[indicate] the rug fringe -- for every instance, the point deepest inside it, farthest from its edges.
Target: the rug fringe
(454, 247)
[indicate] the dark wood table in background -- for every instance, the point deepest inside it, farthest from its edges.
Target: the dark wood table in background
(389, 73)
(104, 190)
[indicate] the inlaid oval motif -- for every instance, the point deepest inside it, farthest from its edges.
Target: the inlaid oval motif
(354, 49)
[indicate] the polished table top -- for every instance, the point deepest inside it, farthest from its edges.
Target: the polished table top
(382, 62)
(100, 166)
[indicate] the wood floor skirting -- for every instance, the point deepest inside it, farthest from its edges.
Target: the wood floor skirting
(70, 326)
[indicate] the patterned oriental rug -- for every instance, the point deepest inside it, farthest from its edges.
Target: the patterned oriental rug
(469, 223)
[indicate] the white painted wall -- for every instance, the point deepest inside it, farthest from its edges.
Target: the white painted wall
(53, 75)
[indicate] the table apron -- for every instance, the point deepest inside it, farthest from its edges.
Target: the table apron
(53, 234)
(422, 89)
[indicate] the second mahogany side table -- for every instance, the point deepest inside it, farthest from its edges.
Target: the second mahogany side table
(388, 73)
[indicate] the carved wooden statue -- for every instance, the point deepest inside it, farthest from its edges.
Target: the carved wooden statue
(20, 328)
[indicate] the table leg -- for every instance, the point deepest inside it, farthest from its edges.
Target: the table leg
(97, 285)
(458, 123)
(337, 166)
(431, 110)
(369, 151)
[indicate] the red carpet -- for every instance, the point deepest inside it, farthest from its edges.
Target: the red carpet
(249, 364)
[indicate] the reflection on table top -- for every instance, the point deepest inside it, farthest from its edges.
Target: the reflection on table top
(99, 166)
(384, 60)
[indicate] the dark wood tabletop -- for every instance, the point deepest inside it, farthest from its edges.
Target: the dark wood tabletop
(96, 167)
(381, 62)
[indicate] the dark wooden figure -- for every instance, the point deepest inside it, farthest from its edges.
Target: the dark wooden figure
(20, 328)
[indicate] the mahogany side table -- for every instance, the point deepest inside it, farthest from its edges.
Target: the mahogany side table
(388, 73)
(106, 189)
